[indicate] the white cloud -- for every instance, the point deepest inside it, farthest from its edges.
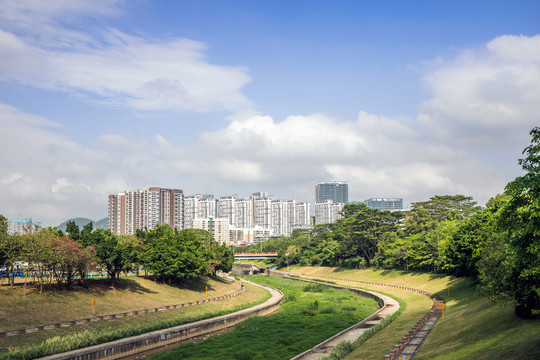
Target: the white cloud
(465, 140)
(52, 177)
(486, 94)
(112, 67)
(293, 139)
(379, 156)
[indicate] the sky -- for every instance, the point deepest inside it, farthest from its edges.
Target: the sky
(407, 99)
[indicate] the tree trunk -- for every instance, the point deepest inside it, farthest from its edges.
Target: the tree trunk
(11, 275)
(25, 275)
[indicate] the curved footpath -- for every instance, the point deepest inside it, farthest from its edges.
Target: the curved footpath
(387, 307)
(136, 344)
(411, 342)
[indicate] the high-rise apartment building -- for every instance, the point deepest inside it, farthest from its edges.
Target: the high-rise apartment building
(219, 228)
(337, 191)
(262, 211)
(244, 213)
(327, 212)
(385, 203)
(283, 212)
(255, 218)
(25, 225)
(302, 216)
(207, 207)
(191, 209)
(227, 208)
(140, 209)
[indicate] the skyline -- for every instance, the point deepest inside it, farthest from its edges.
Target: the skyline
(406, 100)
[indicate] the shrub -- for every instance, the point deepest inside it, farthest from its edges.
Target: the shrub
(315, 288)
(341, 350)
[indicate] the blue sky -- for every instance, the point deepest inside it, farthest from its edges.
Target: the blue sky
(402, 99)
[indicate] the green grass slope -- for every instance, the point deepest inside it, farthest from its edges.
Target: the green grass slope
(22, 311)
(473, 327)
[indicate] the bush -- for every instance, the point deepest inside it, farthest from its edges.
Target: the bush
(289, 298)
(315, 288)
(307, 312)
(341, 350)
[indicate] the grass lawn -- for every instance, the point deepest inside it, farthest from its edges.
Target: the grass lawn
(18, 311)
(473, 326)
(308, 315)
(134, 294)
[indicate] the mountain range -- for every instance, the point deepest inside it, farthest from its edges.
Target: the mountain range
(81, 222)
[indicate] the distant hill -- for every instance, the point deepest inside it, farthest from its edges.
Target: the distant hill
(102, 224)
(81, 222)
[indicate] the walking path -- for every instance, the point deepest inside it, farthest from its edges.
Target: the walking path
(411, 342)
(352, 333)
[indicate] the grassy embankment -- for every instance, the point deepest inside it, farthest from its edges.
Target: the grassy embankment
(473, 327)
(53, 306)
(308, 315)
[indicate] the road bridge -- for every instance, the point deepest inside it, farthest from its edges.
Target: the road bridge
(255, 256)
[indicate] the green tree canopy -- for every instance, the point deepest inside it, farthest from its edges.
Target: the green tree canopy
(521, 217)
(73, 230)
(108, 252)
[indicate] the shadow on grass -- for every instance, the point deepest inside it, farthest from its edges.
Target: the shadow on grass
(98, 287)
(196, 284)
(101, 287)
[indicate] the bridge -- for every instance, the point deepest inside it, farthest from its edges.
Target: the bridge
(254, 256)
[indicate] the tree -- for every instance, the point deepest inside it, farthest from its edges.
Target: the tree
(131, 248)
(425, 215)
(11, 249)
(360, 233)
(175, 255)
(329, 251)
(3, 226)
(69, 252)
(85, 236)
(108, 252)
(3, 237)
(73, 230)
(220, 257)
(467, 246)
(521, 217)
(39, 252)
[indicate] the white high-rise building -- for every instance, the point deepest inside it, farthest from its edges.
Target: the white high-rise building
(218, 227)
(244, 213)
(283, 216)
(227, 208)
(262, 211)
(150, 207)
(207, 207)
(327, 212)
(302, 216)
(191, 209)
